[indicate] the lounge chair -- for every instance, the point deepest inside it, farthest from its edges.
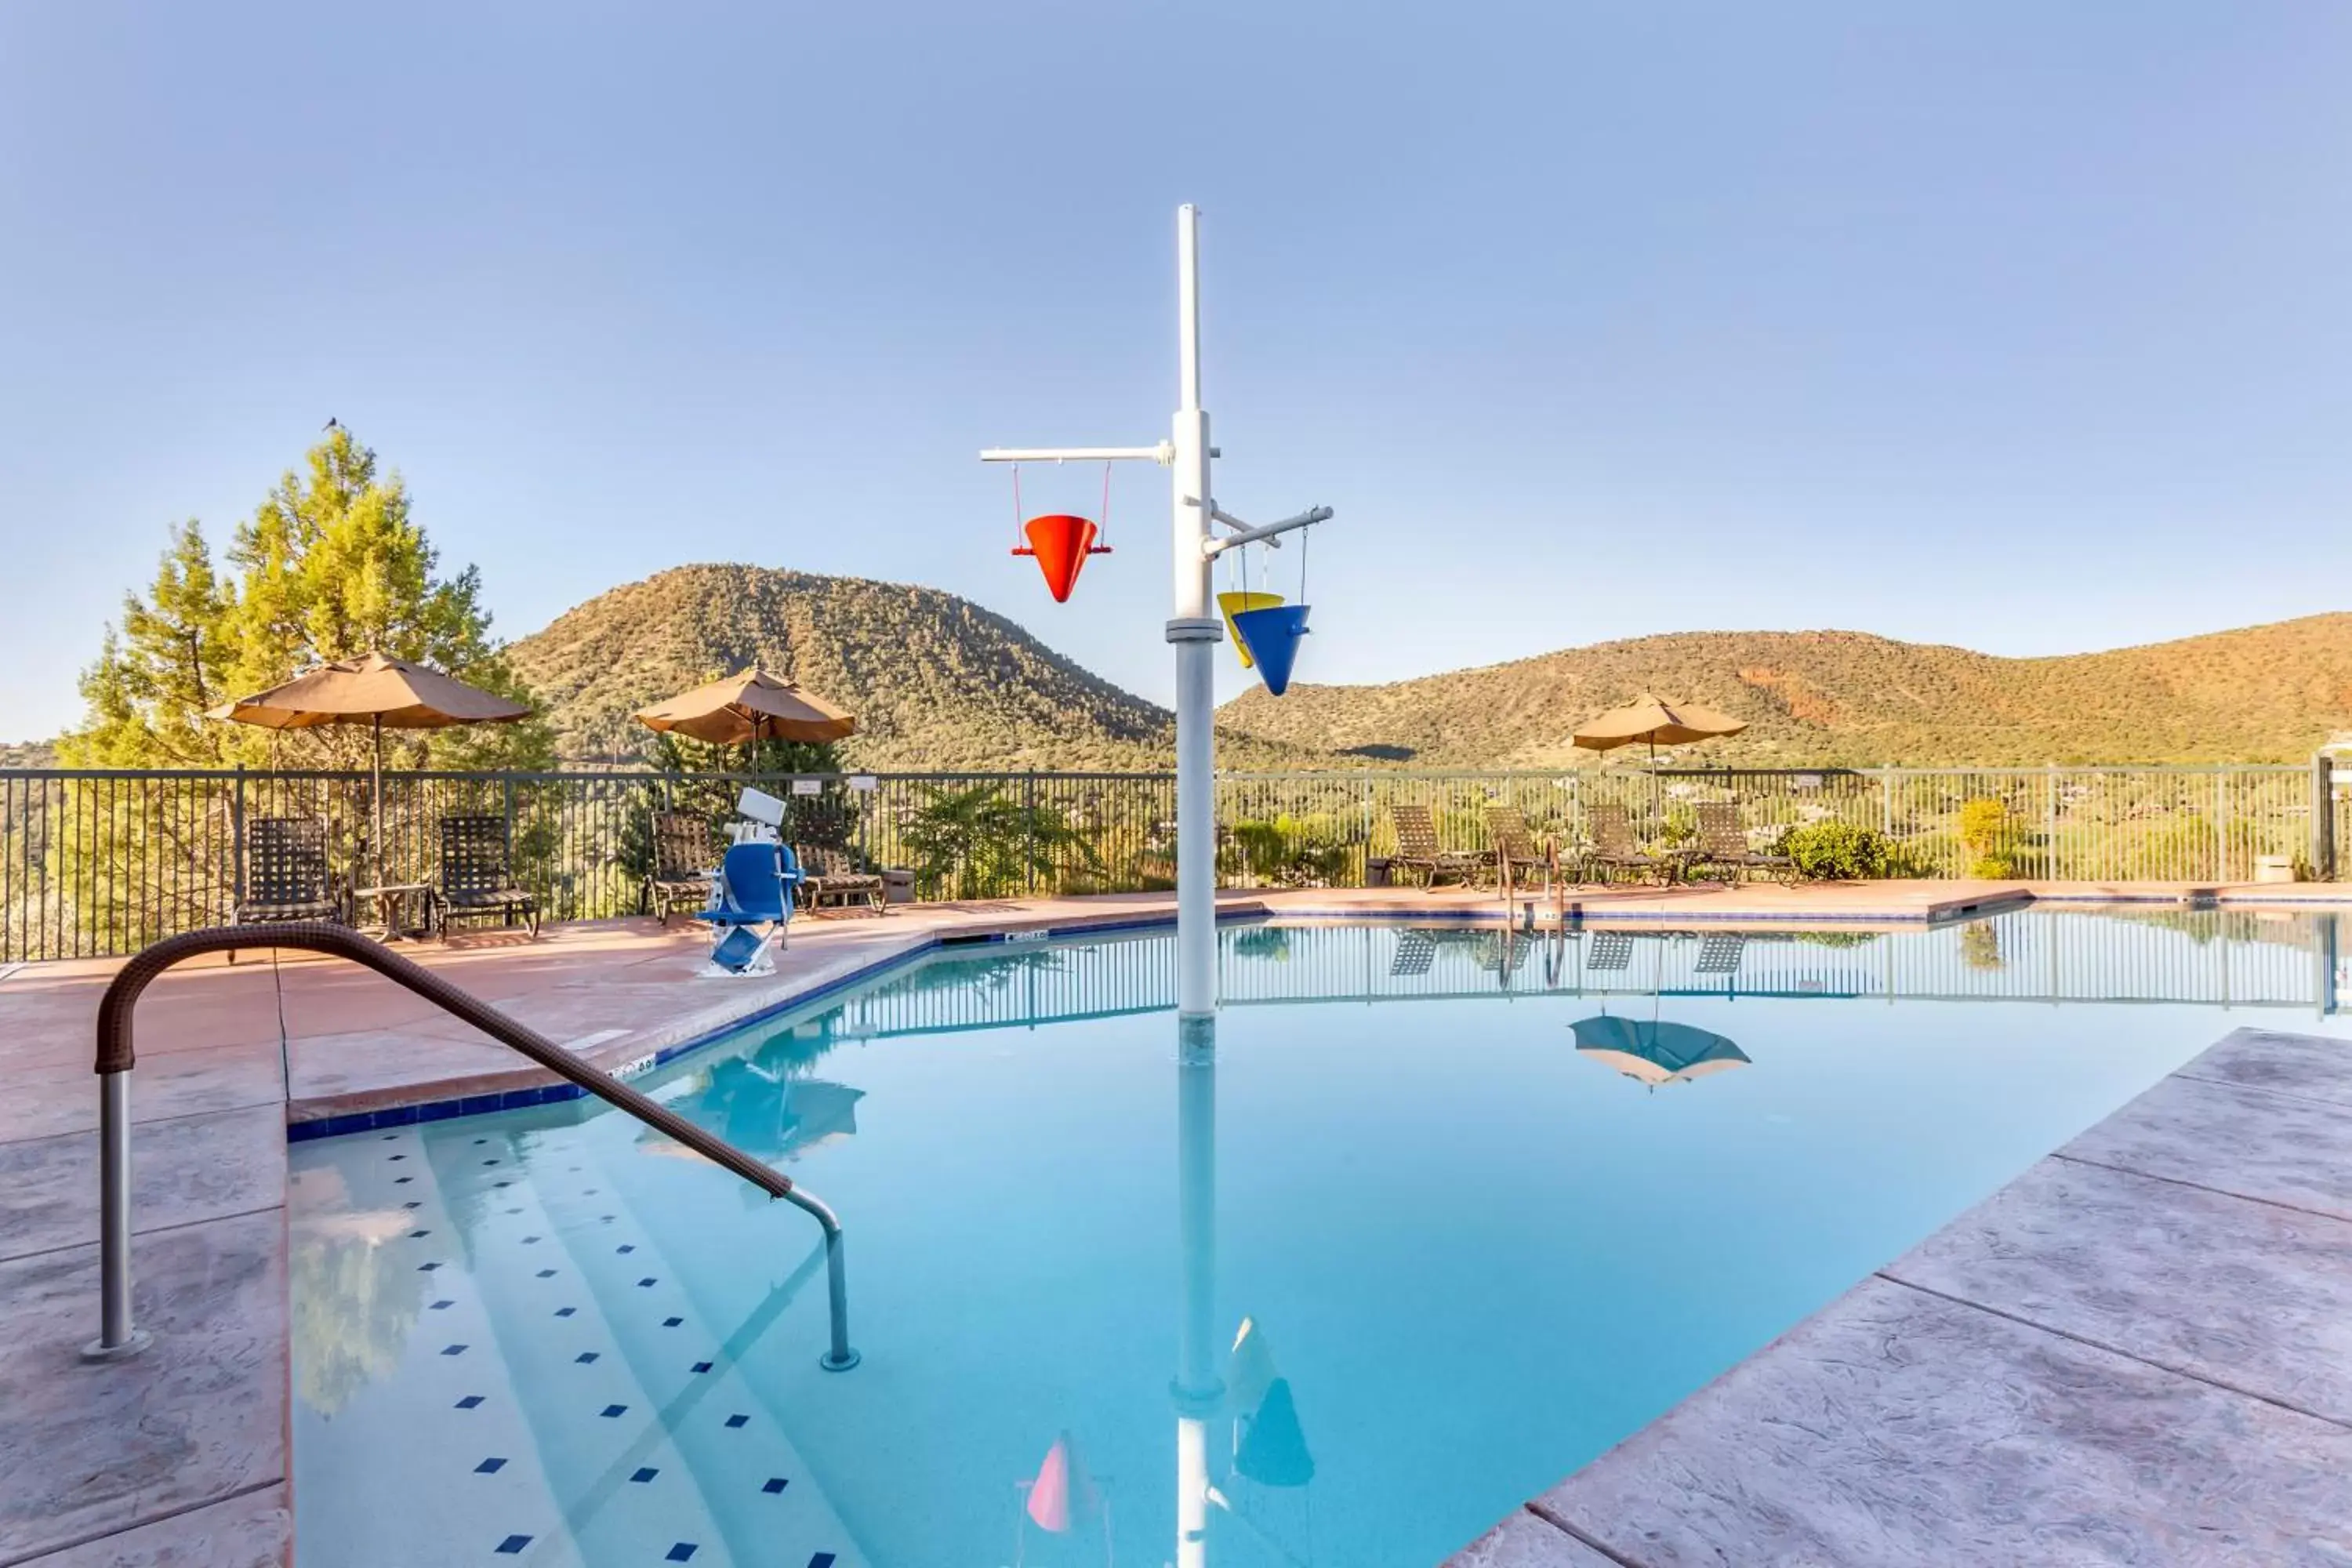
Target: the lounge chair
(477, 879)
(1516, 850)
(685, 859)
(285, 875)
(1611, 848)
(754, 905)
(828, 873)
(1416, 834)
(1723, 843)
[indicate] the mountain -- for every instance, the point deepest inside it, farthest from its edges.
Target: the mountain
(935, 680)
(2263, 693)
(28, 754)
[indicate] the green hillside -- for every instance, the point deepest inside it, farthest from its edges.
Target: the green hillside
(935, 680)
(2263, 693)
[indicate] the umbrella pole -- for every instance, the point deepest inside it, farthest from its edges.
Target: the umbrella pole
(375, 803)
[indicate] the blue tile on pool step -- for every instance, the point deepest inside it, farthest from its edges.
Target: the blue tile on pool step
(547, 1273)
(453, 1350)
(611, 1410)
(513, 1544)
(683, 1550)
(397, 1116)
(439, 1110)
(822, 1560)
(469, 1402)
(774, 1485)
(646, 1283)
(565, 1311)
(584, 1357)
(672, 1322)
(626, 1246)
(645, 1473)
(490, 1467)
(474, 1104)
(739, 1420)
(442, 1305)
(702, 1366)
(427, 1268)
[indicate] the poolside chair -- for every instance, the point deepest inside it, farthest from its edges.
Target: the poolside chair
(828, 873)
(753, 907)
(1722, 842)
(285, 875)
(1613, 849)
(1416, 834)
(1516, 852)
(686, 859)
(477, 879)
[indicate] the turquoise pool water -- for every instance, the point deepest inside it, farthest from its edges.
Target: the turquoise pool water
(1470, 1254)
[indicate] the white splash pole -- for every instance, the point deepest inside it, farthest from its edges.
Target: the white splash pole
(1195, 631)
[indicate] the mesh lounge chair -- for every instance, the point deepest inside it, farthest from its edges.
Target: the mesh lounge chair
(685, 858)
(1516, 853)
(1723, 843)
(1417, 846)
(478, 880)
(286, 876)
(828, 874)
(1613, 849)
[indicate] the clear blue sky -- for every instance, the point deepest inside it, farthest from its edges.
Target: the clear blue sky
(2023, 326)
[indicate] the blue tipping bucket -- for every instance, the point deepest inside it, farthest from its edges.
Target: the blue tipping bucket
(1272, 638)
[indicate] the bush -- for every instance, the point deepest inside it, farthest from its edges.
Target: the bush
(1836, 851)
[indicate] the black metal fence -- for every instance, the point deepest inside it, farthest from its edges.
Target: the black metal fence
(95, 863)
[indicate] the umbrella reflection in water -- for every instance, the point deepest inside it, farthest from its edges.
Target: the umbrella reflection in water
(1654, 1053)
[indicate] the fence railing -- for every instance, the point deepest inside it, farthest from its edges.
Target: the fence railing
(96, 862)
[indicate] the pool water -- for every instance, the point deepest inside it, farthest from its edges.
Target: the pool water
(1468, 1256)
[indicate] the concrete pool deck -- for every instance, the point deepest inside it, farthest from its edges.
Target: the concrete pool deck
(180, 1456)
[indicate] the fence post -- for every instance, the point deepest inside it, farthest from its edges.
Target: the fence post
(1029, 830)
(237, 841)
(2322, 816)
(2221, 825)
(2049, 822)
(508, 782)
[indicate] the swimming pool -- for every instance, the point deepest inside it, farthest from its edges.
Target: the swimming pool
(1474, 1206)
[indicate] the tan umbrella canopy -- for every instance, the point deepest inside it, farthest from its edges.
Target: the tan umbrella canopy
(377, 691)
(1656, 721)
(751, 705)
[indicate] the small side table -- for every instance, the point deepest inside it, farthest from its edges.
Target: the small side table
(392, 900)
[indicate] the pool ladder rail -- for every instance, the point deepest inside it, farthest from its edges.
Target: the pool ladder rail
(119, 1337)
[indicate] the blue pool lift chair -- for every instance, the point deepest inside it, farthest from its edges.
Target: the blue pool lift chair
(751, 902)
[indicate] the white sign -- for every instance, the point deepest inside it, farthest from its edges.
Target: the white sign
(866, 782)
(1806, 781)
(808, 786)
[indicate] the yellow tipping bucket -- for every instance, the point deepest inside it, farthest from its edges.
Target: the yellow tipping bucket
(1233, 604)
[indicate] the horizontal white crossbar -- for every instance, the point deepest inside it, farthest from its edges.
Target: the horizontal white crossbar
(1163, 453)
(1212, 548)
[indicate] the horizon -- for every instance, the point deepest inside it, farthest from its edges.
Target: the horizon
(1687, 307)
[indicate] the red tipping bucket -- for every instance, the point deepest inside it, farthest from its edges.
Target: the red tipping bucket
(1061, 543)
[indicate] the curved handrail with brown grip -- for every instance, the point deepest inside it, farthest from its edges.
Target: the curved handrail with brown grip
(117, 1056)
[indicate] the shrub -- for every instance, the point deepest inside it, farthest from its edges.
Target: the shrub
(1837, 852)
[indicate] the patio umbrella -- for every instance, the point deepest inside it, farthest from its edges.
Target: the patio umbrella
(1654, 721)
(1654, 1053)
(1657, 722)
(381, 692)
(746, 707)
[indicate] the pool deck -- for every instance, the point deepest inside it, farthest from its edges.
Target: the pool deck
(180, 1456)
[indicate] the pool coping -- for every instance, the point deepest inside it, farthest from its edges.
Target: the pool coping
(2033, 1379)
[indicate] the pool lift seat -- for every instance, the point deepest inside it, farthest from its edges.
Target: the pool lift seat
(751, 892)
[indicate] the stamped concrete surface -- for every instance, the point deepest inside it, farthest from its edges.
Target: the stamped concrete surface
(2138, 1352)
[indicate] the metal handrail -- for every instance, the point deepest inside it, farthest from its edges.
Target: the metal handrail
(118, 1337)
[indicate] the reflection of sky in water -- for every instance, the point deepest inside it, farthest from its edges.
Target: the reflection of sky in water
(1469, 1254)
